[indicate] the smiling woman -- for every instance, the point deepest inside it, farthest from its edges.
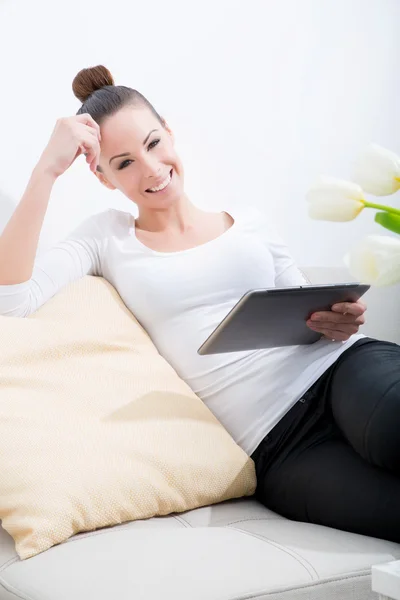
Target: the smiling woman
(131, 129)
(327, 412)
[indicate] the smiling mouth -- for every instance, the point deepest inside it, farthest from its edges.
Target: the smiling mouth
(149, 191)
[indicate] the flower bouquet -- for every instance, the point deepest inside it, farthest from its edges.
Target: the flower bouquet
(376, 258)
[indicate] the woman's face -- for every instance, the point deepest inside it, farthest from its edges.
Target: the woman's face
(149, 158)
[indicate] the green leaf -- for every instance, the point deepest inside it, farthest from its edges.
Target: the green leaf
(389, 221)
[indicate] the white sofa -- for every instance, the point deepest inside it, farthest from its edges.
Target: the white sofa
(230, 551)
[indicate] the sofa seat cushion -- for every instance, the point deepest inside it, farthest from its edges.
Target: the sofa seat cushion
(233, 550)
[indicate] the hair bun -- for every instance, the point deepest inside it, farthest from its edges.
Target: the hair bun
(89, 80)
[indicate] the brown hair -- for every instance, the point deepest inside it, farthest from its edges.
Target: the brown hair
(101, 98)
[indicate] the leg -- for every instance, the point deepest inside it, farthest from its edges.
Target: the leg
(364, 394)
(328, 483)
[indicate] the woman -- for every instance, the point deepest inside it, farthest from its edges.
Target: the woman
(322, 421)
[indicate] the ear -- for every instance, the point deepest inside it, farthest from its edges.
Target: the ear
(103, 180)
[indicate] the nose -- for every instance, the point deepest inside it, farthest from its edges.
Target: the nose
(151, 168)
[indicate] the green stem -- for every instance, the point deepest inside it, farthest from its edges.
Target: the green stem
(388, 209)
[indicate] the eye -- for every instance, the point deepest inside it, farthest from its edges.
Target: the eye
(152, 144)
(122, 165)
(155, 142)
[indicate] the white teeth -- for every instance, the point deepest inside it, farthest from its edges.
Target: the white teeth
(162, 186)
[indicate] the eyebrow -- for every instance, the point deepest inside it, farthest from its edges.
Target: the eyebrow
(128, 153)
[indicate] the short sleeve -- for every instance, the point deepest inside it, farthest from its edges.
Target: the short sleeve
(287, 273)
(79, 254)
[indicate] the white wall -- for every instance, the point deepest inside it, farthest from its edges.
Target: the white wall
(263, 96)
(7, 206)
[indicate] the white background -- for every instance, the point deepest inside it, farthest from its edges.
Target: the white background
(263, 96)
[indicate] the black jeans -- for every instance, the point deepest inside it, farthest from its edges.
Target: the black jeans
(334, 458)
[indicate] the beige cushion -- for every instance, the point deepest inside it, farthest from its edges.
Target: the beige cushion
(96, 428)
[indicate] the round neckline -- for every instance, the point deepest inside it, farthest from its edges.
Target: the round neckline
(176, 252)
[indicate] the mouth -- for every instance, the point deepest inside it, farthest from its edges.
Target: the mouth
(161, 188)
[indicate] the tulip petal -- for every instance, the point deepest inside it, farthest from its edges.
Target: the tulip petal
(333, 188)
(377, 171)
(334, 199)
(375, 260)
(341, 209)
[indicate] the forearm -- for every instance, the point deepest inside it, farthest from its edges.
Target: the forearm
(19, 240)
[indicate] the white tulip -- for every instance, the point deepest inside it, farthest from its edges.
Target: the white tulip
(375, 260)
(377, 171)
(332, 199)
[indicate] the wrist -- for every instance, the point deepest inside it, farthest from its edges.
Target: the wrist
(43, 171)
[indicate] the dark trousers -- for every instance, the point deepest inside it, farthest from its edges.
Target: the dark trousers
(334, 458)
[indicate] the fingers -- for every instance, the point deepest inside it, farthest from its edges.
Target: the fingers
(352, 327)
(352, 308)
(86, 119)
(90, 159)
(91, 156)
(91, 148)
(336, 332)
(327, 317)
(342, 321)
(343, 328)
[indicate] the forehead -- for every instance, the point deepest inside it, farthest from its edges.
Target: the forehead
(128, 126)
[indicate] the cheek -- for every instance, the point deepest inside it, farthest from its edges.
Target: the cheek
(176, 161)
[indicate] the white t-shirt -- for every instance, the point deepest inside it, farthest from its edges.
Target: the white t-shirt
(180, 297)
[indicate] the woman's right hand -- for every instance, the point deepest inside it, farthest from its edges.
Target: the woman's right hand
(72, 136)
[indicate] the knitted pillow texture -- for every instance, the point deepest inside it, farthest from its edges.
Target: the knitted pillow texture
(96, 428)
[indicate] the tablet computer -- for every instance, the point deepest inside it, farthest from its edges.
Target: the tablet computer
(272, 317)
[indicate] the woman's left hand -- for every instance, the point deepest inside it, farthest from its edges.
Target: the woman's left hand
(339, 323)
